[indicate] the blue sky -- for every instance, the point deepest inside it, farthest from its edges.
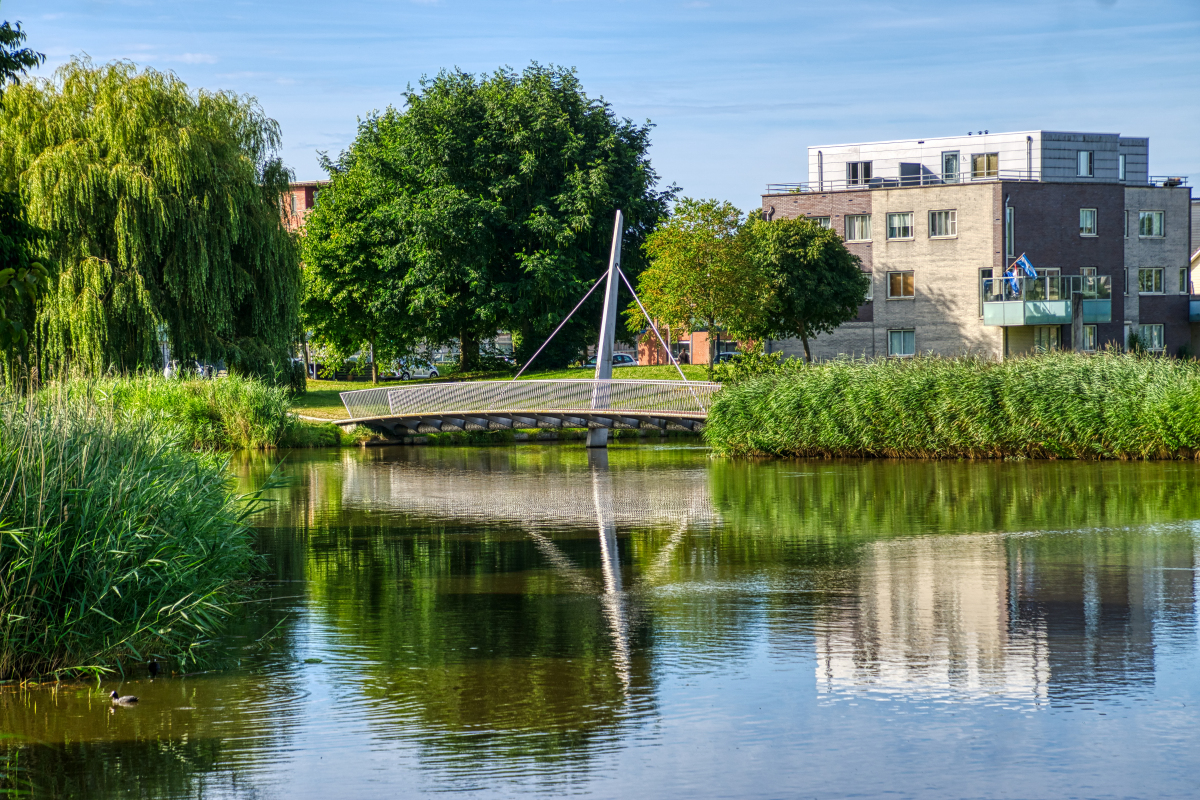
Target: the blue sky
(737, 91)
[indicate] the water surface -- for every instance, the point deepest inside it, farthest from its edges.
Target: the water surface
(523, 620)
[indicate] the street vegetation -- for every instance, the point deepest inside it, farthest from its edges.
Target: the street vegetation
(157, 208)
(485, 204)
(711, 269)
(1052, 405)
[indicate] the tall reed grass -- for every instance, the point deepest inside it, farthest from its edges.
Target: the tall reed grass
(1056, 405)
(118, 540)
(224, 413)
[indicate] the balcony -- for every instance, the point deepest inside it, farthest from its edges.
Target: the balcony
(1046, 300)
(1194, 309)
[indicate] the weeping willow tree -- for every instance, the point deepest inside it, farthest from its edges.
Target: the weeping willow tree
(160, 207)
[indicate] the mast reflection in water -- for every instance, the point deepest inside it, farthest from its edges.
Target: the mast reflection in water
(657, 622)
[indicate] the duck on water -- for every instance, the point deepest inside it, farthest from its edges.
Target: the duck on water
(127, 700)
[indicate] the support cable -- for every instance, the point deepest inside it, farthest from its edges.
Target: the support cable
(564, 322)
(654, 328)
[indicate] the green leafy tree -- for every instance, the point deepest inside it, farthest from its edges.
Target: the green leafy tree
(816, 284)
(701, 274)
(353, 298)
(161, 208)
(15, 61)
(23, 279)
(490, 208)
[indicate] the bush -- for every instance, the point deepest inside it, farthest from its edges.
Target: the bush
(118, 542)
(1057, 405)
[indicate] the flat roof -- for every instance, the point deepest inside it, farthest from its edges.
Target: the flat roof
(972, 134)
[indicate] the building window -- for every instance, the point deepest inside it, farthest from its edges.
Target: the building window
(943, 223)
(1087, 162)
(900, 226)
(900, 285)
(1151, 336)
(1184, 280)
(902, 344)
(293, 203)
(1121, 167)
(822, 221)
(984, 276)
(985, 165)
(950, 167)
(858, 227)
(1087, 222)
(1010, 248)
(1047, 337)
(858, 173)
(1150, 281)
(1125, 219)
(870, 286)
(1089, 337)
(1150, 224)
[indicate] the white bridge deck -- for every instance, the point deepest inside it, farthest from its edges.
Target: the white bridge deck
(495, 405)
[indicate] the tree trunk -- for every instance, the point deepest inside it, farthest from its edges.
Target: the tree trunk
(807, 354)
(468, 358)
(308, 359)
(374, 367)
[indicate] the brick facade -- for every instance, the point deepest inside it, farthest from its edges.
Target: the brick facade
(946, 311)
(298, 202)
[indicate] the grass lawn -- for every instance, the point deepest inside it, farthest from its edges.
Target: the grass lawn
(322, 399)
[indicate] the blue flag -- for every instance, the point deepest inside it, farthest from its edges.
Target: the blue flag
(1024, 264)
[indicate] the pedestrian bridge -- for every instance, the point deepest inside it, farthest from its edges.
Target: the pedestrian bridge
(497, 405)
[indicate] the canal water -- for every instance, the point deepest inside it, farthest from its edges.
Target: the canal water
(655, 622)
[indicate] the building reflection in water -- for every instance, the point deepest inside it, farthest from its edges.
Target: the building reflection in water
(932, 613)
(1056, 616)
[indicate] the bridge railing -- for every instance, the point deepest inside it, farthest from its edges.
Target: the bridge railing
(532, 397)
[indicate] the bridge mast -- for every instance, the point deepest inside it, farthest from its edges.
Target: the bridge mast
(598, 437)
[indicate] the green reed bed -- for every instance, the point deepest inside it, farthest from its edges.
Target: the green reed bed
(231, 412)
(119, 542)
(1057, 405)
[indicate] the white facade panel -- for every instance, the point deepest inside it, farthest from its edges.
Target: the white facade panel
(1051, 156)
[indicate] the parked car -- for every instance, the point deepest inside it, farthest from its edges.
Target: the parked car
(408, 368)
(619, 360)
(723, 357)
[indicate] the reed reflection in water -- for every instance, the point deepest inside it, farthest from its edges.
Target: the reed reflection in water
(513, 620)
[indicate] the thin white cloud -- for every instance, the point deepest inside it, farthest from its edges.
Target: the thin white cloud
(194, 58)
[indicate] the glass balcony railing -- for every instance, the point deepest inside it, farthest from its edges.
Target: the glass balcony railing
(1046, 300)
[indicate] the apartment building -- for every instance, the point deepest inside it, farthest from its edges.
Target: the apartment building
(938, 224)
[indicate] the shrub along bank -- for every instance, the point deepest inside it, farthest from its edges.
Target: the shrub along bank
(1057, 405)
(119, 542)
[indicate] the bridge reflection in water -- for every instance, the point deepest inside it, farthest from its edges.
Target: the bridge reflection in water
(539, 502)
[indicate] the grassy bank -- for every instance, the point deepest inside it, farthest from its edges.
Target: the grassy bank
(119, 542)
(1058, 405)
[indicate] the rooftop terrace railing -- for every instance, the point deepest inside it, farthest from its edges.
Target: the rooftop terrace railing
(902, 181)
(933, 179)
